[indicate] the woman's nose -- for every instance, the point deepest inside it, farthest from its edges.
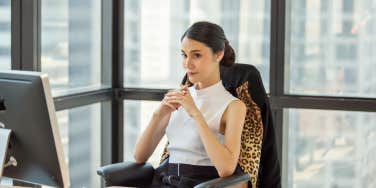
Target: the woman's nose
(188, 64)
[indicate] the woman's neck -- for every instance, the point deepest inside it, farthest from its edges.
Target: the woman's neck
(211, 81)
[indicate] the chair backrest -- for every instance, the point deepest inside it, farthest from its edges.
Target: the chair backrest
(258, 156)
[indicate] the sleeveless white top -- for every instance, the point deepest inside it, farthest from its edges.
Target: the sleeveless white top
(185, 145)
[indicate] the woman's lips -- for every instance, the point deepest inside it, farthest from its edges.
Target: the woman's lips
(191, 73)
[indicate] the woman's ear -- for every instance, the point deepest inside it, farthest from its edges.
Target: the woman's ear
(219, 55)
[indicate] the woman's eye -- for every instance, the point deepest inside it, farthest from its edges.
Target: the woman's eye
(184, 56)
(197, 55)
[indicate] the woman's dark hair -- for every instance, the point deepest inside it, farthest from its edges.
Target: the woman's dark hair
(213, 36)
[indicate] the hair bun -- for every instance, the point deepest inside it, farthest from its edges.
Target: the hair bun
(229, 55)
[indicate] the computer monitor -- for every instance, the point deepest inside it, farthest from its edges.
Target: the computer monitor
(28, 111)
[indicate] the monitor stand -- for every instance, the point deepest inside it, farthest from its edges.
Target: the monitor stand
(4, 142)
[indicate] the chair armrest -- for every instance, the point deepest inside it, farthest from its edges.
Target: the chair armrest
(224, 182)
(126, 174)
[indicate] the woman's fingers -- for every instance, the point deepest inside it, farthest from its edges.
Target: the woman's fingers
(181, 90)
(175, 93)
(184, 89)
(172, 97)
(171, 101)
(176, 101)
(169, 105)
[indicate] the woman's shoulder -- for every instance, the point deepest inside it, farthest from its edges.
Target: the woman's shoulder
(233, 102)
(235, 110)
(237, 104)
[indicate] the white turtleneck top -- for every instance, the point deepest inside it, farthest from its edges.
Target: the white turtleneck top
(185, 145)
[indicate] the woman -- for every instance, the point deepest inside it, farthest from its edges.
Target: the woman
(202, 120)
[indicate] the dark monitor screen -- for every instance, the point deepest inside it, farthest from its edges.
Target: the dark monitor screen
(35, 142)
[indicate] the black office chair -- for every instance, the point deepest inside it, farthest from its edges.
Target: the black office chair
(258, 161)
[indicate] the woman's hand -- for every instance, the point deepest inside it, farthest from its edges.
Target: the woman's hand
(185, 100)
(167, 107)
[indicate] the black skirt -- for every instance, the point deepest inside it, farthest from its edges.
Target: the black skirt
(182, 176)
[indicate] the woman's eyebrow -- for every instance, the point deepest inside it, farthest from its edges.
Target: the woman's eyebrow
(192, 51)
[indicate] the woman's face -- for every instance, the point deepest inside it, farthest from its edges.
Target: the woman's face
(199, 60)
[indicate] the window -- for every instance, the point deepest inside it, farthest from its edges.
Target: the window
(5, 35)
(71, 56)
(71, 44)
(81, 138)
(328, 41)
(327, 148)
(137, 115)
(152, 59)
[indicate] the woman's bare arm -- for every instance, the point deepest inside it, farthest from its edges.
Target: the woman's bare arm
(150, 137)
(155, 130)
(224, 157)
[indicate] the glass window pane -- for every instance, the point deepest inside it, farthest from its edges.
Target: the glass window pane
(5, 37)
(152, 31)
(71, 43)
(330, 148)
(331, 47)
(81, 138)
(137, 115)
